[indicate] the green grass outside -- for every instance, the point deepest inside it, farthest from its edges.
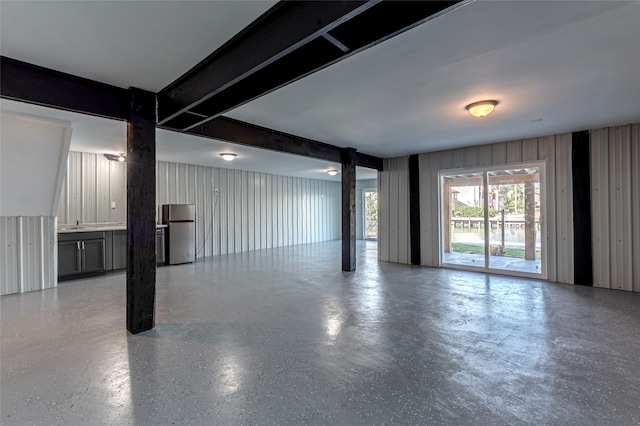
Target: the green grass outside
(474, 249)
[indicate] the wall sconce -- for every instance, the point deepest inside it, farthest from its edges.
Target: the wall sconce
(120, 157)
(332, 172)
(482, 108)
(227, 156)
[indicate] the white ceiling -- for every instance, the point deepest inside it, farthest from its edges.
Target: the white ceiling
(99, 135)
(554, 67)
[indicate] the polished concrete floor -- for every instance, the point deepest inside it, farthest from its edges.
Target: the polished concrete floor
(283, 337)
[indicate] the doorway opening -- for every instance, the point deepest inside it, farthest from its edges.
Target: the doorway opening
(370, 214)
(492, 219)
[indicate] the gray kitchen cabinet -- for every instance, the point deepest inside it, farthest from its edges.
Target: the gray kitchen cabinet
(119, 250)
(69, 262)
(160, 246)
(80, 254)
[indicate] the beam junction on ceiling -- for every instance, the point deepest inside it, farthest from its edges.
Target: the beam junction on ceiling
(288, 42)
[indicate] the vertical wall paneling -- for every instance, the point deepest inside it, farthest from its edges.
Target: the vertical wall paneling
(27, 254)
(236, 211)
(547, 152)
(499, 151)
(635, 204)
(8, 256)
(529, 149)
(600, 207)
(514, 151)
(620, 243)
(393, 224)
(615, 198)
(394, 216)
(554, 150)
(118, 191)
(74, 192)
(89, 188)
(564, 203)
(103, 203)
(384, 206)
(404, 242)
(485, 155)
(471, 156)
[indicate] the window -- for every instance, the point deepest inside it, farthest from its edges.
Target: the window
(493, 219)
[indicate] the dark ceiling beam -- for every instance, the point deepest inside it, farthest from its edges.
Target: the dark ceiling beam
(216, 87)
(33, 84)
(278, 32)
(239, 132)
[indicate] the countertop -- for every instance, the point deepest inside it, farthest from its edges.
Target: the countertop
(93, 227)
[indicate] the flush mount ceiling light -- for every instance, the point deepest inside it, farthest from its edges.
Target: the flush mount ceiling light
(332, 172)
(227, 156)
(120, 157)
(482, 108)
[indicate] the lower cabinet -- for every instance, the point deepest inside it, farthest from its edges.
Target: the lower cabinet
(81, 254)
(160, 246)
(119, 250)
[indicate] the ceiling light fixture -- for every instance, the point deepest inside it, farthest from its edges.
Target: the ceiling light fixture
(332, 172)
(227, 156)
(120, 157)
(482, 108)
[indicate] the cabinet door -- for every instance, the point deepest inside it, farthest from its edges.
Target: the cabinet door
(69, 261)
(160, 246)
(93, 255)
(119, 249)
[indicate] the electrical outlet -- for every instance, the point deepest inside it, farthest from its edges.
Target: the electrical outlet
(113, 205)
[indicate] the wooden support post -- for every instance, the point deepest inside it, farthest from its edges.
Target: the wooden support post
(348, 210)
(529, 221)
(446, 216)
(141, 211)
(414, 208)
(582, 233)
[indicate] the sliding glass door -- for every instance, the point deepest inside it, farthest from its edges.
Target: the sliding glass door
(492, 219)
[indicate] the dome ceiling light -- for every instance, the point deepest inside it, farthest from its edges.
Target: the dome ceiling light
(227, 156)
(482, 108)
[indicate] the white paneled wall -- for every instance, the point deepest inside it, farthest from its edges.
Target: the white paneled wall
(27, 254)
(393, 211)
(615, 196)
(239, 211)
(91, 184)
(236, 210)
(394, 202)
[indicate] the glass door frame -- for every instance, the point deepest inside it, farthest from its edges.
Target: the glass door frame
(364, 214)
(485, 202)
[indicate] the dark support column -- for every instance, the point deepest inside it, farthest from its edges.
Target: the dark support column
(581, 173)
(141, 211)
(414, 208)
(348, 209)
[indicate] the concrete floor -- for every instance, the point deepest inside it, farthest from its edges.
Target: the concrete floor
(283, 337)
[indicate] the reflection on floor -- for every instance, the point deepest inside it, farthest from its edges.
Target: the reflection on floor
(282, 336)
(496, 262)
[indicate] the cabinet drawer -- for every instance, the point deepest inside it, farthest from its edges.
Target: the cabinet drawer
(75, 236)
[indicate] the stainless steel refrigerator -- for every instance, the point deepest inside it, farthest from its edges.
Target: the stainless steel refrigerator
(180, 238)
